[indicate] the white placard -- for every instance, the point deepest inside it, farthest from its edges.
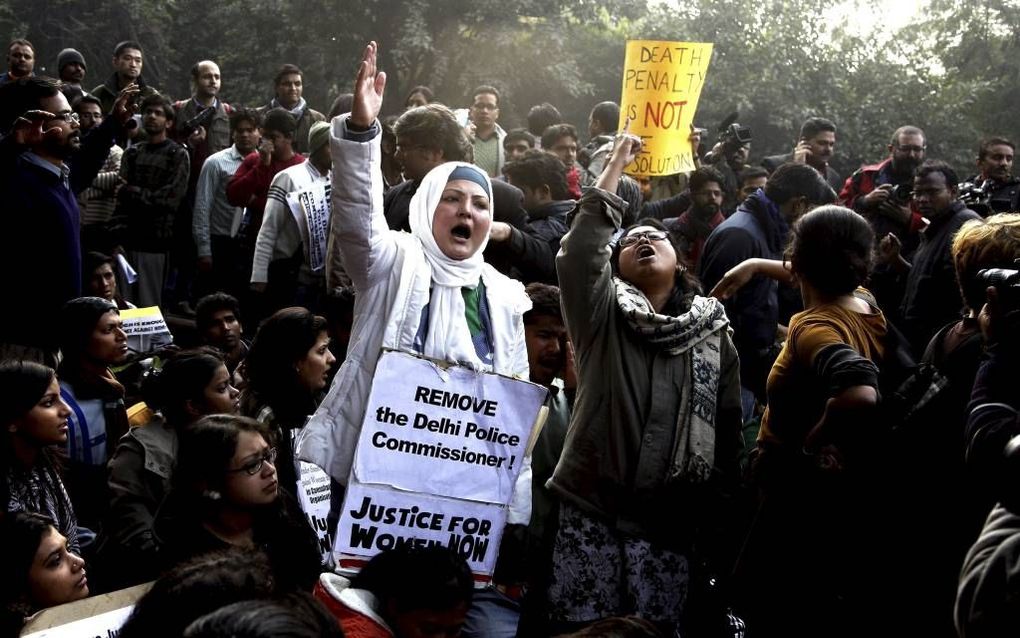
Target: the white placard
(105, 625)
(310, 208)
(376, 518)
(453, 432)
(313, 495)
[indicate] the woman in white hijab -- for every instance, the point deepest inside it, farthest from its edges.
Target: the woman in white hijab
(428, 292)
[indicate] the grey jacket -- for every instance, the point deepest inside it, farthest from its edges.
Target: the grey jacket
(621, 437)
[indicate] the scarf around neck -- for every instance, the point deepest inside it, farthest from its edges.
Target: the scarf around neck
(297, 111)
(699, 331)
(448, 336)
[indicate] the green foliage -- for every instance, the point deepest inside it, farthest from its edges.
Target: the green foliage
(955, 71)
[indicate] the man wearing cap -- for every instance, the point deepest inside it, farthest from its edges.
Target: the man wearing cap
(290, 249)
(71, 69)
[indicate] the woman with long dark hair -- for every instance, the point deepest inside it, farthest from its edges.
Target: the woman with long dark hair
(34, 422)
(189, 385)
(654, 439)
(812, 555)
(225, 492)
(287, 370)
(40, 569)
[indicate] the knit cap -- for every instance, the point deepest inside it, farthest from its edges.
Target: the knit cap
(68, 56)
(318, 136)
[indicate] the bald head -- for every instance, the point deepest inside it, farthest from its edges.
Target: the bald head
(206, 77)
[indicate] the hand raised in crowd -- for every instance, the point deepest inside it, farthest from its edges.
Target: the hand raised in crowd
(265, 149)
(205, 264)
(499, 231)
(28, 128)
(625, 148)
(368, 90)
(124, 108)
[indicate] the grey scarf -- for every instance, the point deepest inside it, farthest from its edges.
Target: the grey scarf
(698, 331)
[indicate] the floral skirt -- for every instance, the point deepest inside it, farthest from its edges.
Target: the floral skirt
(599, 572)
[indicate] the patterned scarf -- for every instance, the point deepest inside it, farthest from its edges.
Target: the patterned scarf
(698, 331)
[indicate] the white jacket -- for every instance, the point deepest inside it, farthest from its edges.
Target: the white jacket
(392, 280)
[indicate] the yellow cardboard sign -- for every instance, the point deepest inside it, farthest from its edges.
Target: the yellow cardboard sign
(662, 82)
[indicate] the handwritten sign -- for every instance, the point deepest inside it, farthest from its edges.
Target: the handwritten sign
(105, 625)
(662, 83)
(438, 457)
(451, 432)
(378, 518)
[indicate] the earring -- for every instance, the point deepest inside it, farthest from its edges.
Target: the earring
(211, 495)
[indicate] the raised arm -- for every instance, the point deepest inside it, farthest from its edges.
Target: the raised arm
(583, 267)
(358, 229)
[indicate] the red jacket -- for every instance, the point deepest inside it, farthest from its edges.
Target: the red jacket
(249, 187)
(353, 608)
(863, 181)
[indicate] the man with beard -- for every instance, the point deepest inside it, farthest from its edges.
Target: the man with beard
(71, 69)
(155, 175)
(815, 146)
(289, 87)
(932, 296)
(880, 192)
(996, 180)
(692, 228)
(45, 164)
(20, 61)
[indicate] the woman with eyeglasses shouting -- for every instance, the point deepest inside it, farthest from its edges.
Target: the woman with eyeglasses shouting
(225, 492)
(654, 438)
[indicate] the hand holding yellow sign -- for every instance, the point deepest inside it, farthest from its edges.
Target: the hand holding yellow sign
(662, 82)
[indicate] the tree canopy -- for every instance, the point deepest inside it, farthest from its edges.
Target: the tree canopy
(953, 70)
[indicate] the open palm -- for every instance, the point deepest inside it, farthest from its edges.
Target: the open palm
(368, 89)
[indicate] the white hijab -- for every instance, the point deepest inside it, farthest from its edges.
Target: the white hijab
(448, 337)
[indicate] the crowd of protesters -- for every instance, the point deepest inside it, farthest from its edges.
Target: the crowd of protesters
(781, 400)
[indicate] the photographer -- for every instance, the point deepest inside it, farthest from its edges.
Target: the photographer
(729, 157)
(989, 584)
(881, 192)
(994, 189)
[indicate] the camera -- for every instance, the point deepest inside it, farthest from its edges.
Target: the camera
(900, 194)
(732, 137)
(204, 118)
(1006, 282)
(977, 196)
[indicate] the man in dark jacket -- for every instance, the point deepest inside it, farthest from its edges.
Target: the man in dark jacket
(931, 297)
(815, 146)
(542, 178)
(155, 175)
(428, 136)
(1000, 188)
(127, 69)
(701, 214)
(289, 87)
(759, 228)
(45, 163)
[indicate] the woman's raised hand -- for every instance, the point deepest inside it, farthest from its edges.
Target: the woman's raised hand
(368, 89)
(734, 279)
